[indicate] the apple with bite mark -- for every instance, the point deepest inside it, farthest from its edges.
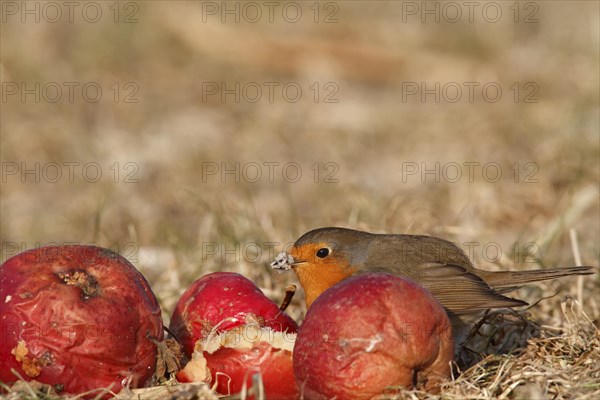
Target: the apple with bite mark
(78, 318)
(230, 330)
(369, 334)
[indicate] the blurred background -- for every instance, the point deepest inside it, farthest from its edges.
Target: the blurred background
(201, 136)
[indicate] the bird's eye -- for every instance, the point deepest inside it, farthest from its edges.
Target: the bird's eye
(322, 253)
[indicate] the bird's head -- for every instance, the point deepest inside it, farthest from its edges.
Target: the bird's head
(321, 258)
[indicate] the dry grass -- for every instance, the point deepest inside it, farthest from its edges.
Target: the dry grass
(556, 362)
(169, 221)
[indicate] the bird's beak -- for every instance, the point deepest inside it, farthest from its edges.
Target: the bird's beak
(297, 262)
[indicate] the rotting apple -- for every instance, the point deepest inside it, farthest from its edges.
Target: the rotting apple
(78, 318)
(231, 330)
(369, 334)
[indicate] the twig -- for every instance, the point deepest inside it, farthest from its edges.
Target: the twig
(577, 257)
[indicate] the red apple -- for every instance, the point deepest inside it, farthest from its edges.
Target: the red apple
(369, 333)
(231, 331)
(78, 318)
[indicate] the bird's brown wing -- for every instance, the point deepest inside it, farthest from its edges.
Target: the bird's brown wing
(504, 281)
(460, 291)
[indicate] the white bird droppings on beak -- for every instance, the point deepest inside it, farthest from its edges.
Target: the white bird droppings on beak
(283, 262)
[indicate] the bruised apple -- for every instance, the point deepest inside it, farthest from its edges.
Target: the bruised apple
(231, 331)
(370, 333)
(78, 318)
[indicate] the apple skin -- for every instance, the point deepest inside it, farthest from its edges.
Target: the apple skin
(371, 332)
(224, 303)
(78, 318)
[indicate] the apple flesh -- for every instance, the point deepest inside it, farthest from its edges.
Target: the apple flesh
(370, 333)
(230, 330)
(77, 318)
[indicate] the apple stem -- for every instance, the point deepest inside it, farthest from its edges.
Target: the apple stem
(172, 335)
(290, 290)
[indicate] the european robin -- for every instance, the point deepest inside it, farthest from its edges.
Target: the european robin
(323, 257)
